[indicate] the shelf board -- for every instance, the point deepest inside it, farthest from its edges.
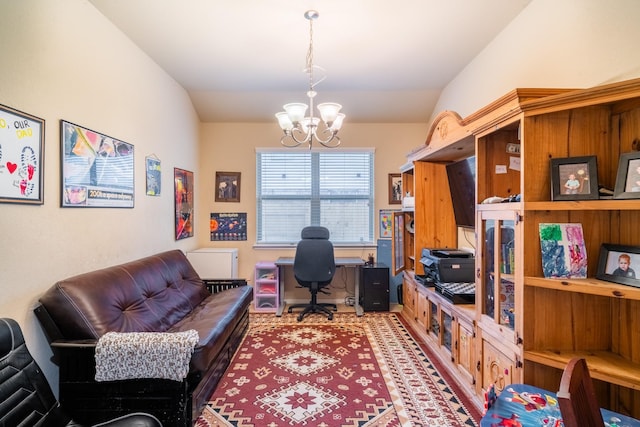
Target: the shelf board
(584, 205)
(603, 365)
(589, 286)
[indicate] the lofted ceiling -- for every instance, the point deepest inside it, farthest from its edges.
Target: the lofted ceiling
(241, 60)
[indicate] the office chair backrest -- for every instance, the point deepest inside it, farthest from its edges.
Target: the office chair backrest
(314, 260)
(24, 388)
(577, 398)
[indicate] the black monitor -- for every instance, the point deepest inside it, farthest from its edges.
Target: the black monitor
(462, 184)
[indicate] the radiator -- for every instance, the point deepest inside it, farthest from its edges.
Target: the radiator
(215, 263)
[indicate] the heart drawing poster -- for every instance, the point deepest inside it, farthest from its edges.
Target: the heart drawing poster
(564, 254)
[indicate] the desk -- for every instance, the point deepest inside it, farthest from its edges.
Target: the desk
(525, 405)
(352, 262)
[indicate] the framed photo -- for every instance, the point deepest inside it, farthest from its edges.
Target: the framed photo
(574, 178)
(618, 264)
(628, 177)
(183, 190)
(21, 157)
(227, 186)
(153, 175)
(395, 189)
(97, 170)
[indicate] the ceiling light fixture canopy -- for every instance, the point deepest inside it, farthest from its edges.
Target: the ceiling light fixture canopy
(299, 129)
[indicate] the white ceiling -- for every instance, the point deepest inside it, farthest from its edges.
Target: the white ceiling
(241, 60)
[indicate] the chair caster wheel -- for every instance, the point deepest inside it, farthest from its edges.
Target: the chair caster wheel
(300, 318)
(330, 317)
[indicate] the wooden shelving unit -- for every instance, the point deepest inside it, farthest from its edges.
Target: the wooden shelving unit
(544, 322)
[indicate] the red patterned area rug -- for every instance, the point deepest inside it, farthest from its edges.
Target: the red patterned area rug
(351, 371)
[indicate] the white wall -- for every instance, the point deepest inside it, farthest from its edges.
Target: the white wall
(61, 59)
(552, 43)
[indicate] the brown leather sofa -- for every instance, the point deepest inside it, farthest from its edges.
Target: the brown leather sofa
(159, 293)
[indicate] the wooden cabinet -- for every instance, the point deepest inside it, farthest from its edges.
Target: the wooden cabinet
(556, 319)
(526, 327)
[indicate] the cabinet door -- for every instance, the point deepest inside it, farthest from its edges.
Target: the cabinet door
(465, 349)
(497, 367)
(397, 243)
(497, 263)
(421, 309)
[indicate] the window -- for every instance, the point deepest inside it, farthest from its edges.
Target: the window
(299, 188)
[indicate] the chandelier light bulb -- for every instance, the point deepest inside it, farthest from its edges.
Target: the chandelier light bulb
(301, 129)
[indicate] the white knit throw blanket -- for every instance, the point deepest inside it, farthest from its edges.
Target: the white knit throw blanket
(130, 355)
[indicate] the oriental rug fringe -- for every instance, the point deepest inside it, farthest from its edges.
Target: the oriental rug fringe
(351, 371)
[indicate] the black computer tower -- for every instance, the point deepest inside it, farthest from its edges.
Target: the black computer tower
(374, 287)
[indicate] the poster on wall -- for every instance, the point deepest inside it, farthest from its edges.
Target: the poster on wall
(183, 190)
(97, 170)
(153, 172)
(228, 226)
(21, 154)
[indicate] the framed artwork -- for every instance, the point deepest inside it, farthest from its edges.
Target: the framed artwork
(617, 263)
(21, 157)
(564, 252)
(574, 178)
(153, 175)
(386, 222)
(97, 170)
(183, 191)
(227, 186)
(227, 226)
(395, 189)
(628, 177)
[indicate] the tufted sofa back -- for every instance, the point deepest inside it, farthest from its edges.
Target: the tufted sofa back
(147, 295)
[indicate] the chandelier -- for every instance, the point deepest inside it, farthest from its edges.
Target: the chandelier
(299, 129)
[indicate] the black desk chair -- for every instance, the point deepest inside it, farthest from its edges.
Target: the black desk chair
(27, 399)
(314, 267)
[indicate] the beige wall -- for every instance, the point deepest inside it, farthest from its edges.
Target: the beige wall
(62, 60)
(230, 147)
(551, 43)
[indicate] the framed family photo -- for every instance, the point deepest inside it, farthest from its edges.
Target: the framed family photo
(619, 264)
(227, 187)
(628, 177)
(574, 178)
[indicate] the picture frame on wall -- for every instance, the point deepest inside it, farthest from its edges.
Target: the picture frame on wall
(386, 222)
(227, 187)
(395, 189)
(619, 264)
(184, 196)
(97, 170)
(153, 168)
(574, 178)
(628, 177)
(21, 157)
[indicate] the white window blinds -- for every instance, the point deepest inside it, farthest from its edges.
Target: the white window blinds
(330, 188)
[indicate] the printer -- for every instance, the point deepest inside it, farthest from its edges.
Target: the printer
(448, 265)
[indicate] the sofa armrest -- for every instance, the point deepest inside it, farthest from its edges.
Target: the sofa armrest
(74, 344)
